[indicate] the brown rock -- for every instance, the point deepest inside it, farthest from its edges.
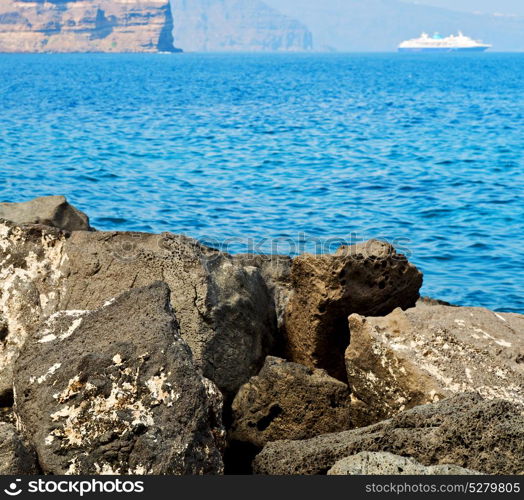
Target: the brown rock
(290, 401)
(465, 430)
(430, 352)
(52, 211)
(369, 279)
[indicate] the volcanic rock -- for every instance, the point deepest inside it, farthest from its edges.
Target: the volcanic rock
(387, 464)
(15, 457)
(465, 430)
(52, 211)
(225, 309)
(430, 352)
(290, 401)
(86, 26)
(369, 279)
(116, 391)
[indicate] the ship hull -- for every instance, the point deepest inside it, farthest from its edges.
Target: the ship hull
(442, 49)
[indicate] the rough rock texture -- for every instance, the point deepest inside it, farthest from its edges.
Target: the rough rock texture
(52, 211)
(387, 464)
(236, 25)
(224, 309)
(15, 457)
(116, 391)
(276, 272)
(369, 279)
(86, 26)
(430, 352)
(465, 430)
(289, 401)
(30, 276)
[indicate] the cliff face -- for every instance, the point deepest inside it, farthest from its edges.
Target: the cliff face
(86, 26)
(236, 25)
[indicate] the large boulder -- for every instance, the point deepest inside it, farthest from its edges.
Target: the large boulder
(276, 273)
(430, 352)
(31, 258)
(225, 309)
(116, 391)
(290, 401)
(369, 279)
(387, 464)
(15, 457)
(52, 211)
(465, 430)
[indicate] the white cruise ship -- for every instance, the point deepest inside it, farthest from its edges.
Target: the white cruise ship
(436, 43)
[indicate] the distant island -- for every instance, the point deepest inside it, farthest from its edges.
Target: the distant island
(147, 26)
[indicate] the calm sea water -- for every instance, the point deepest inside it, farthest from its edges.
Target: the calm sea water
(424, 151)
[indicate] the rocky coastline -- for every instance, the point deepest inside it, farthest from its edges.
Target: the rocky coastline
(134, 353)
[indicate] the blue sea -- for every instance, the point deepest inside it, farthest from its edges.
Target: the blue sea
(285, 153)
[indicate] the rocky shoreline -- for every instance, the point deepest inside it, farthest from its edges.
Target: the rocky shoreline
(134, 353)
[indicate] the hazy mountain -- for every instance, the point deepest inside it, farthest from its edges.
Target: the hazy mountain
(236, 25)
(509, 7)
(379, 25)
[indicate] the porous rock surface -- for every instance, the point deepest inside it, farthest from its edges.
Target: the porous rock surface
(465, 430)
(52, 211)
(233, 26)
(387, 464)
(290, 401)
(276, 273)
(15, 457)
(224, 308)
(116, 391)
(368, 278)
(430, 352)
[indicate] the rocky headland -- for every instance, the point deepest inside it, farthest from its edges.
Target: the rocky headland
(134, 353)
(147, 26)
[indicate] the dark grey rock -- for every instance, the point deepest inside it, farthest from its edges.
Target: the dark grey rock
(30, 287)
(15, 457)
(465, 430)
(290, 401)
(225, 309)
(52, 211)
(387, 464)
(115, 390)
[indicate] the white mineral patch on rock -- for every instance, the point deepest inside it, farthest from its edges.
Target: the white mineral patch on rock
(434, 351)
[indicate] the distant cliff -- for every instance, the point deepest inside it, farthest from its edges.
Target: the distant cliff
(147, 26)
(86, 26)
(236, 25)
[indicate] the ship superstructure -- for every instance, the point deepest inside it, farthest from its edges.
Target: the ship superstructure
(436, 43)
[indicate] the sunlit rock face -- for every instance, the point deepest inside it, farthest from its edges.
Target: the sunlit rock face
(236, 26)
(86, 26)
(115, 391)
